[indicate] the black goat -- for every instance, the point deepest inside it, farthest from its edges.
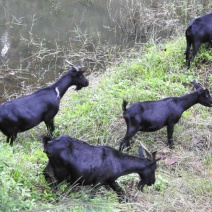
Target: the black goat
(199, 31)
(150, 116)
(72, 160)
(24, 113)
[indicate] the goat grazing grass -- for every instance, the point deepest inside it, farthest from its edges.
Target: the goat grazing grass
(183, 177)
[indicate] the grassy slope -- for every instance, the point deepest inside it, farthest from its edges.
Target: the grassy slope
(94, 114)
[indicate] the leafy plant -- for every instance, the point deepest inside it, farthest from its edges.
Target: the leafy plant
(94, 115)
(161, 183)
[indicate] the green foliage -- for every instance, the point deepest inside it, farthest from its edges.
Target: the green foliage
(158, 74)
(210, 79)
(14, 192)
(200, 186)
(161, 183)
(208, 159)
(204, 54)
(19, 177)
(94, 114)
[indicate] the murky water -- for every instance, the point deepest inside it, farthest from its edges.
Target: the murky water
(36, 35)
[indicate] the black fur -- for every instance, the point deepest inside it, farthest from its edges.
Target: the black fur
(72, 160)
(150, 116)
(199, 31)
(24, 113)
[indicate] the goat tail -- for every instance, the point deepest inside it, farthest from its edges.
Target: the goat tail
(124, 106)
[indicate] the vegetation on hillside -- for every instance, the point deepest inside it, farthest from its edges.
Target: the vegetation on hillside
(94, 114)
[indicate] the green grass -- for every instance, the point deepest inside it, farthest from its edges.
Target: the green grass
(94, 114)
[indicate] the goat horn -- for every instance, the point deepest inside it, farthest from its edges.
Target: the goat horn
(75, 67)
(69, 62)
(148, 154)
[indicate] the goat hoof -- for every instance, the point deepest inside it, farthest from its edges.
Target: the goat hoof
(127, 148)
(171, 146)
(123, 200)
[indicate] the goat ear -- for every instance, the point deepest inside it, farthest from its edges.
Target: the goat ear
(76, 67)
(81, 72)
(45, 142)
(201, 91)
(155, 161)
(140, 151)
(207, 91)
(196, 85)
(83, 69)
(154, 155)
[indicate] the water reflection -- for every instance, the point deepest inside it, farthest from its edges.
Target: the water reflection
(5, 44)
(37, 35)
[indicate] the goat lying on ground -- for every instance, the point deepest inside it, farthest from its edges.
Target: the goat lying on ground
(24, 113)
(199, 31)
(74, 161)
(150, 116)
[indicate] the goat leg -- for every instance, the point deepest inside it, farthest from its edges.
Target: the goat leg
(120, 192)
(50, 126)
(170, 130)
(131, 131)
(195, 49)
(124, 145)
(49, 175)
(95, 189)
(10, 139)
(187, 53)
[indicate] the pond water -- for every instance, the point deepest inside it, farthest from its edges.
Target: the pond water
(36, 35)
